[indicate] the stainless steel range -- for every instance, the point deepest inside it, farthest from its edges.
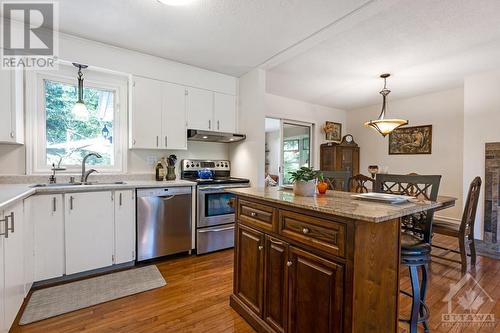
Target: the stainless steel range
(215, 216)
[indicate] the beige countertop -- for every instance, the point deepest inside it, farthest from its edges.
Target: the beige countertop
(343, 204)
(11, 193)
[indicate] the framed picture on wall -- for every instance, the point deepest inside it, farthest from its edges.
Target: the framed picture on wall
(411, 140)
(333, 131)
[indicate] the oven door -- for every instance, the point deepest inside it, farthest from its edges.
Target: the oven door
(214, 206)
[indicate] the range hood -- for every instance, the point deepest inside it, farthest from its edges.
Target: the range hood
(211, 136)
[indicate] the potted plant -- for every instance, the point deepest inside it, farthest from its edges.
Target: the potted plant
(322, 184)
(304, 181)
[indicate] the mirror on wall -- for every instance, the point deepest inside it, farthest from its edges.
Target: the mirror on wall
(288, 147)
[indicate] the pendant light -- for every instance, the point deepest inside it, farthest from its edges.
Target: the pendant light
(382, 125)
(80, 111)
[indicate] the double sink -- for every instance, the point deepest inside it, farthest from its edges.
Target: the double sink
(77, 184)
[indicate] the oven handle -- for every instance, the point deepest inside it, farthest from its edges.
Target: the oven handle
(218, 188)
(215, 230)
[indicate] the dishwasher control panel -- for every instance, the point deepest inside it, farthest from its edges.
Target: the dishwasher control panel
(163, 191)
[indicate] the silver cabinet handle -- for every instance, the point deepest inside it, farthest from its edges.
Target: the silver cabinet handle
(54, 204)
(133, 142)
(218, 125)
(305, 230)
(166, 141)
(276, 242)
(289, 263)
(11, 223)
(260, 247)
(120, 199)
(6, 227)
(209, 124)
(202, 231)
(157, 142)
(253, 214)
(12, 134)
(71, 202)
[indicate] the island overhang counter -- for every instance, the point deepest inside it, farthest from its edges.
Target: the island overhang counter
(328, 263)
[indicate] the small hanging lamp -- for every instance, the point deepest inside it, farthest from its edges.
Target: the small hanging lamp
(382, 125)
(80, 111)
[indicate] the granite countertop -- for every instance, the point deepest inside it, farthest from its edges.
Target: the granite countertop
(342, 204)
(11, 193)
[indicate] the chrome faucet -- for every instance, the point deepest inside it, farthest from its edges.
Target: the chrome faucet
(86, 175)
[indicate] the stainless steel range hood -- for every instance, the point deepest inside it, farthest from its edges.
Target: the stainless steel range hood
(210, 136)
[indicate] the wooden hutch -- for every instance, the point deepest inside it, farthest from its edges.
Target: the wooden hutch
(343, 156)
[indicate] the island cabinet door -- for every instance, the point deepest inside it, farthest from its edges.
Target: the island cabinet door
(315, 293)
(276, 284)
(250, 268)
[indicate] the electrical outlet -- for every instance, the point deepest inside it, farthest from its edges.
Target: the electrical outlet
(151, 160)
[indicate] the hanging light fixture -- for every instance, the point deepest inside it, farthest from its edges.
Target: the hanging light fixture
(382, 125)
(80, 111)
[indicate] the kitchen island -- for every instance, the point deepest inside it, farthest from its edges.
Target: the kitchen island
(328, 263)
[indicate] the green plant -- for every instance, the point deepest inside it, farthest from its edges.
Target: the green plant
(303, 174)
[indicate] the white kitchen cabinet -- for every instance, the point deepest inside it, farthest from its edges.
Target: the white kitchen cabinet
(12, 106)
(29, 248)
(174, 131)
(88, 231)
(13, 263)
(158, 116)
(124, 226)
(200, 109)
(47, 214)
(3, 326)
(146, 114)
(224, 113)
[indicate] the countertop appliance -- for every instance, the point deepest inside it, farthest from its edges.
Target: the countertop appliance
(163, 221)
(215, 216)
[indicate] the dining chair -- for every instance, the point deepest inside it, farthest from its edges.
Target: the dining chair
(358, 183)
(423, 187)
(337, 180)
(463, 231)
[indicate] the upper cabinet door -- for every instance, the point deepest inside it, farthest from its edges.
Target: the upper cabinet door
(12, 107)
(225, 113)
(146, 113)
(174, 117)
(200, 109)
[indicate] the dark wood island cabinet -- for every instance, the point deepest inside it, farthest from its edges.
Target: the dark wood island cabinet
(323, 264)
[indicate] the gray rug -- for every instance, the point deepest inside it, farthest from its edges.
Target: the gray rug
(54, 301)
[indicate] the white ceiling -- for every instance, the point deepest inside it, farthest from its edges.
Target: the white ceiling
(227, 36)
(426, 44)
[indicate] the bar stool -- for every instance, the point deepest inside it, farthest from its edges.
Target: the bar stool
(416, 254)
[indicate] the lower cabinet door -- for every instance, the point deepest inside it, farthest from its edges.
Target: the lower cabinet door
(89, 231)
(276, 284)
(315, 293)
(250, 268)
(124, 226)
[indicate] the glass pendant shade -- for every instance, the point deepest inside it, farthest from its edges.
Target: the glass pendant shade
(80, 111)
(382, 125)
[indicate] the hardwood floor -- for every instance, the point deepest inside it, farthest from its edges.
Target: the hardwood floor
(196, 299)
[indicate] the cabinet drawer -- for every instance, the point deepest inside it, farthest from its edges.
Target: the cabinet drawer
(256, 215)
(325, 235)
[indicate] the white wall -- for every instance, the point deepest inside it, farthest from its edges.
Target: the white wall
(291, 109)
(481, 125)
(99, 55)
(444, 111)
(247, 157)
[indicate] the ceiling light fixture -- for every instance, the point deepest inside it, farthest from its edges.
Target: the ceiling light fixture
(80, 111)
(382, 125)
(176, 2)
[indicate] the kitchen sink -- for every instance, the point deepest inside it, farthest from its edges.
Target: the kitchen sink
(77, 184)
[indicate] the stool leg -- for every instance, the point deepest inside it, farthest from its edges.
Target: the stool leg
(423, 292)
(415, 305)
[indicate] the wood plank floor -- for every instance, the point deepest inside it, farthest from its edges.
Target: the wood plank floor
(196, 299)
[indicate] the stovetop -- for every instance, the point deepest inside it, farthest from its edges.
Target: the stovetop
(221, 170)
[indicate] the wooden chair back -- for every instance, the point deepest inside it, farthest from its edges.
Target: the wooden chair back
(469, 214)
(358, 183)
(337, 180)
(424, 187)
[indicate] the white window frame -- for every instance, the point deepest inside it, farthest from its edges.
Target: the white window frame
(36, 115)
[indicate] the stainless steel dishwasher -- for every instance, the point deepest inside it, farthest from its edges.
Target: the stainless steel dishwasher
(163, 221)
